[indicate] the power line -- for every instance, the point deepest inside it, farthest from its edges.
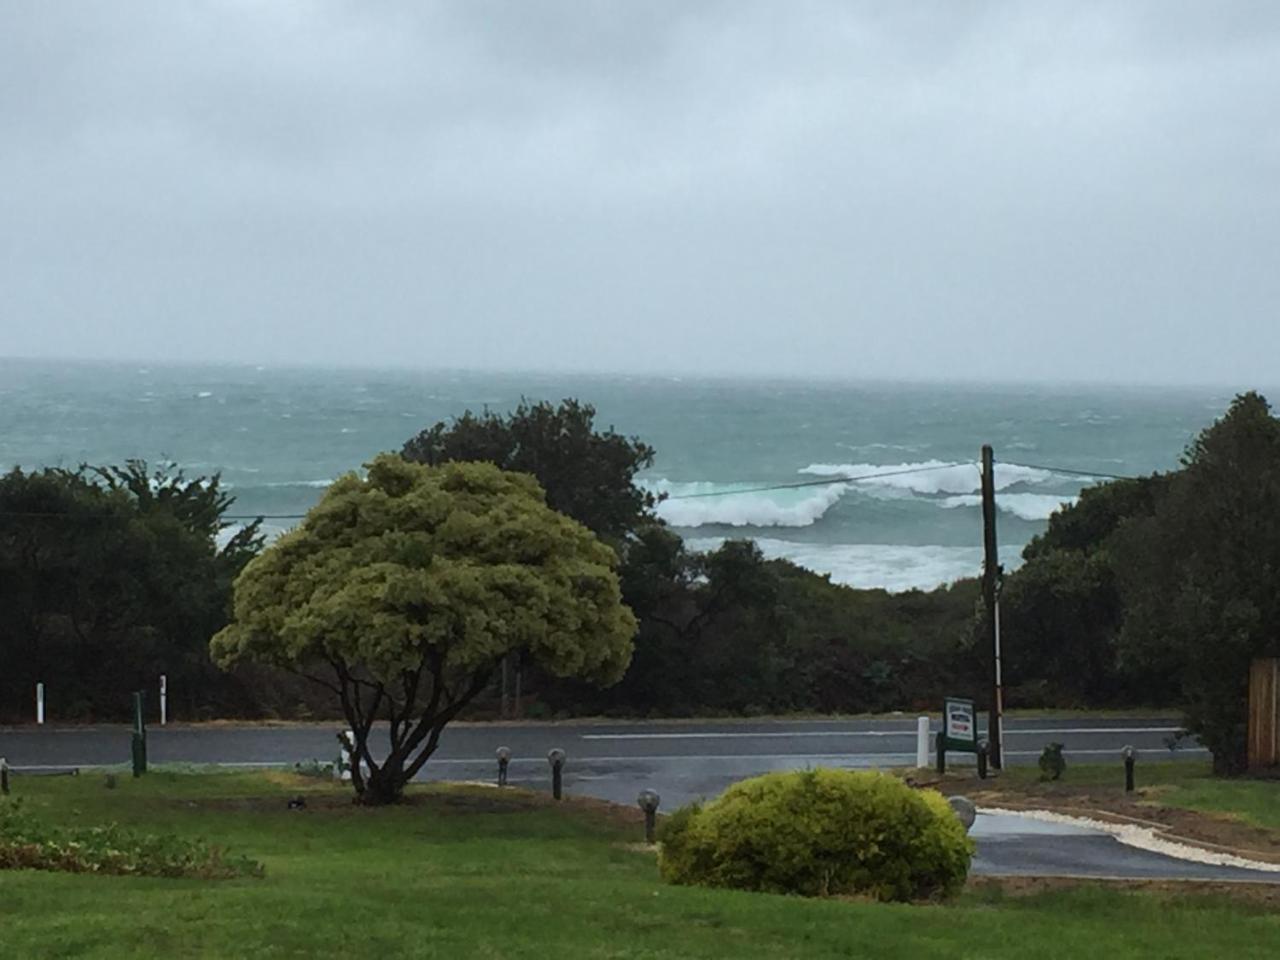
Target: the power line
(818, 483)
(1093, 474)
(264, 516)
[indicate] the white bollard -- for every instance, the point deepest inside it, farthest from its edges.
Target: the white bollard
(922, 742)
(364, 767)
(164, 699)
(39, 703)
(346, 754)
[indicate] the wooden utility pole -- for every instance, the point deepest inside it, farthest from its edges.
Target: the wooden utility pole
(991, 601)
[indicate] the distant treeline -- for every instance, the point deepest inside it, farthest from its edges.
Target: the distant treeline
(110, 576)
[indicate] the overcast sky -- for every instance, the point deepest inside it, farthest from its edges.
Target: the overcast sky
(893, 189)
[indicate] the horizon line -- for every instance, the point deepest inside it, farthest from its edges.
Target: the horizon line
(676, 375)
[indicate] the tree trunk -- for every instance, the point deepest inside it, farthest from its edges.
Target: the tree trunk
(1229, 763)
(382, 788)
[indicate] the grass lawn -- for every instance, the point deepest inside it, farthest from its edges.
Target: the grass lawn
(469, 872)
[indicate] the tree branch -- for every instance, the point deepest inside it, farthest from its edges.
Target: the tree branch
(478, 682)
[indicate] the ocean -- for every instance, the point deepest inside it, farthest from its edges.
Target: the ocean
(278, 436)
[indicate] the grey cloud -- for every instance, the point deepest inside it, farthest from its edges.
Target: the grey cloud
(932, 189)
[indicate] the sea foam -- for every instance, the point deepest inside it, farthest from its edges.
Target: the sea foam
(892, 567)
(740, 505)
(1024, 506)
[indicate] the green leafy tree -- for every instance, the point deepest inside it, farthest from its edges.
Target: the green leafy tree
(401, 592)
(732, 632)
(587, 474)
(1085, 526)
(1061, 611)
(1200, 577)
(110, 576)
(1061, 616)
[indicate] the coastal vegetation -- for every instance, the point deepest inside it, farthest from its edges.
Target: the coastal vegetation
(110, 576)
(1163, 588)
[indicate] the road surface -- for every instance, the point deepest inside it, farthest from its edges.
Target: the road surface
(683, 761)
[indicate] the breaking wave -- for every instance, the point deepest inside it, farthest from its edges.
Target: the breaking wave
(931, 476)
(312, 484)
(946, 484)
(742, 505)
(942, 483)
(1024, 506)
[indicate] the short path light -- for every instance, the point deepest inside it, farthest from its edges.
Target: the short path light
(504, 758)
(555, 757)
(1130, 756)
(4, 776)
(984, 752)
(964, 810)
(649, 801)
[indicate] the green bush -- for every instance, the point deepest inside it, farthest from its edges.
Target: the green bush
(1052, 763)
(820, 833)
(26, 843)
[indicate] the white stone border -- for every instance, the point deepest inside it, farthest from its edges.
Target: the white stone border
(1144, 838)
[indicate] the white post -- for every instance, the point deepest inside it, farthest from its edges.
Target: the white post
(39, 703)
(347, 743)
(164, 700)
(922, 742)
(351, 757)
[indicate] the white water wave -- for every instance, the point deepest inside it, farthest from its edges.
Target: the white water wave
(741, 505)
(944, 483)
(314, 484)
(280, 485)
(1025, 506)
(930, 476)
(893, 567)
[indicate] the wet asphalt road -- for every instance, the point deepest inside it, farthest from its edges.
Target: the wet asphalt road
(681, 760)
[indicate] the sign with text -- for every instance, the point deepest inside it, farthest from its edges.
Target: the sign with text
(959, 732)
(960, 723)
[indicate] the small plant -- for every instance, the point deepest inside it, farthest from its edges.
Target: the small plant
(317, 769)
(1052, 763)
(820, 833)
(27, 843)
(1174, 741)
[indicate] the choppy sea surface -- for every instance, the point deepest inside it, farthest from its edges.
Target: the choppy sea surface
(278, 436)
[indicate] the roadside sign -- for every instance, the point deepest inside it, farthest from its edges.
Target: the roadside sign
(960, 732)
(960, 725)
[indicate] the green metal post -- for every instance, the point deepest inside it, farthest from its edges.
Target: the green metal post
(139, 742)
